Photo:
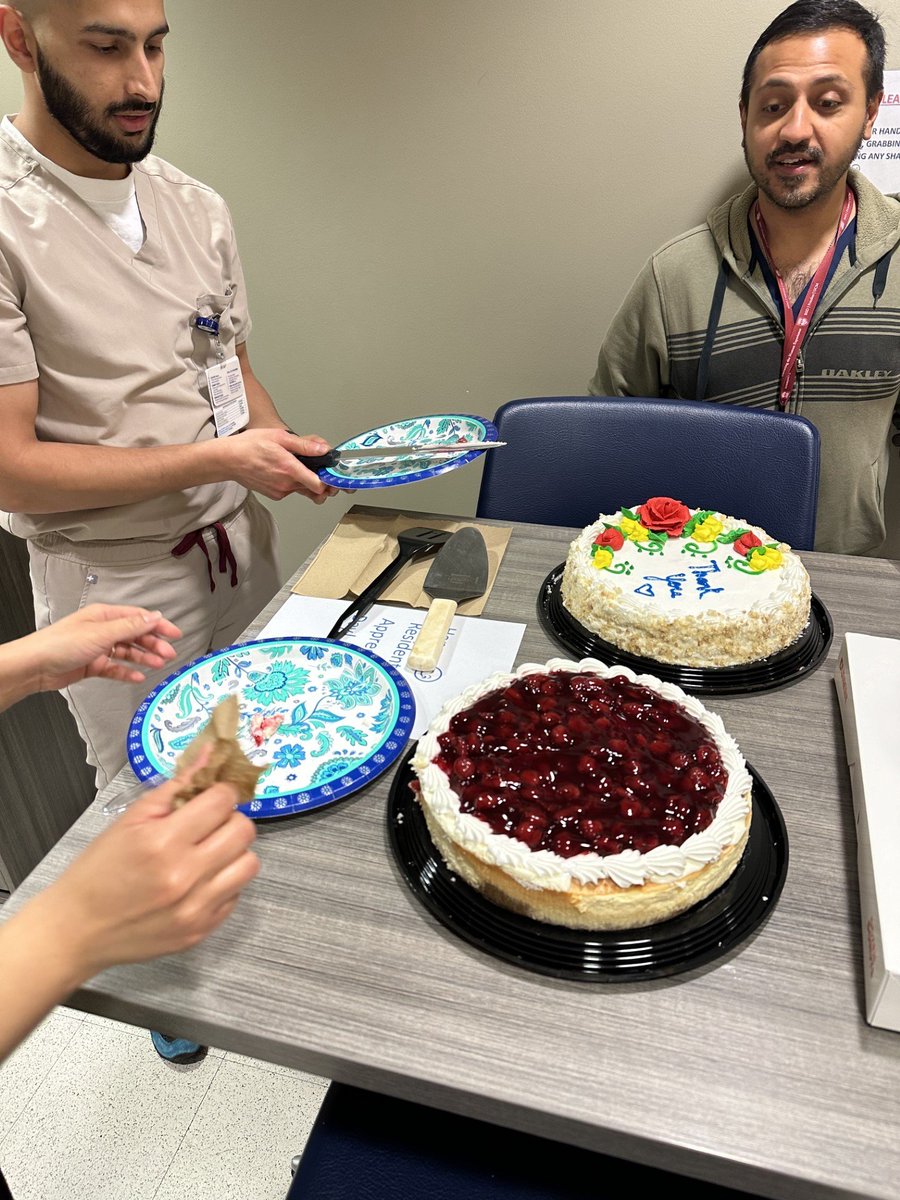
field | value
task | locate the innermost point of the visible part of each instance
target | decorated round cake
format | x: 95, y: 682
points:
x: 685, y: 586
x: 584, y: 795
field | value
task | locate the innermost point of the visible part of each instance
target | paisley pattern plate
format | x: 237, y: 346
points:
x: 326, y: 718
x: 438, y: 427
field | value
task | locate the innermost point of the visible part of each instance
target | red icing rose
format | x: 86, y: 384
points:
x: 746, y: 542
x: 613, y: 538
x: 664, y: 515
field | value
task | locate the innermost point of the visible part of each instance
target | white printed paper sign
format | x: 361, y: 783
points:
x: 475, y: 646
x: 879, y: 158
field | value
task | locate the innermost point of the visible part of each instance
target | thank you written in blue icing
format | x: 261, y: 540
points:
x: 679, y: 583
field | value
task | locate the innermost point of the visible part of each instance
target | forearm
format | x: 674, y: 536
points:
x: 263, y: 413
x: 17, y: 672
x: 63, y: 477
x: 39, y: 968
x: 48, y: 477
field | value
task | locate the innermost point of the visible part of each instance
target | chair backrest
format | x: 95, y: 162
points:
x: 570, y: 458
x: 373, y: 1147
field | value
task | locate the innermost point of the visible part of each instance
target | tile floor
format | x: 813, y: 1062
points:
x: 88, y: 1111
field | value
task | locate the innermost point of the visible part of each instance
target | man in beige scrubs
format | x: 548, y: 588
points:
x: 135, y: 432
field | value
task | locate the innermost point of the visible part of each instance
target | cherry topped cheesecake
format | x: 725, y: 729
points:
x: 584, y: 795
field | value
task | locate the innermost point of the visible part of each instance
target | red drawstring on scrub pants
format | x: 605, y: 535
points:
x: 226, y: 554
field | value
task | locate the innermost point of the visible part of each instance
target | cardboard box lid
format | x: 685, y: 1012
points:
x: 868, y: 684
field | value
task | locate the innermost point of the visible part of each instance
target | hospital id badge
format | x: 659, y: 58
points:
x: 227, y: 396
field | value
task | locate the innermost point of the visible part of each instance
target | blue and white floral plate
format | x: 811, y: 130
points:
x: 438, y: 427
x: 326, y: 718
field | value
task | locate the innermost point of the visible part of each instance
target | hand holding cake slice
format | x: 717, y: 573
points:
x: 227, y: 761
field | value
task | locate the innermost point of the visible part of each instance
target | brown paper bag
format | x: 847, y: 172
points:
x: 227, y: 761
x: 365, y: 541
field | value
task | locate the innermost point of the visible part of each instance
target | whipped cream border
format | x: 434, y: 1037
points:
x: 549, y: 871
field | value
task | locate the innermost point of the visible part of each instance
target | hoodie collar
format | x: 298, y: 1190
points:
x: 877, y: 224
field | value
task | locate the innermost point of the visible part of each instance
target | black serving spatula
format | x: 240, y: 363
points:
x: 460, y: 572
x: 414, y: 542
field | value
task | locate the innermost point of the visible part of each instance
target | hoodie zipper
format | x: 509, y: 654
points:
x: 798, y: 380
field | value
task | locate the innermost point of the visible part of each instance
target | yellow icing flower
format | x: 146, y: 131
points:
x: 765, y: 560
x: 634, y: 530
x: 602, y: 557
x: 708, y: 530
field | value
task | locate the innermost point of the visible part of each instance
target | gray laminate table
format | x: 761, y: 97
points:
x: 758, y: 1071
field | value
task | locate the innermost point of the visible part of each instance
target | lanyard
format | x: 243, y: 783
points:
x: 210, y: 323
x: 796, y: 329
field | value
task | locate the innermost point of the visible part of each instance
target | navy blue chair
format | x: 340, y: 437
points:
x: 373, y: 1147
x: 570, y: 458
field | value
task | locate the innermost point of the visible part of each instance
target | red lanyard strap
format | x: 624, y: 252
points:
x: 796, y: 329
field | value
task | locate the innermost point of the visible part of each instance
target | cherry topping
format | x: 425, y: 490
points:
x: 577, y: 763
x: 530, y: 830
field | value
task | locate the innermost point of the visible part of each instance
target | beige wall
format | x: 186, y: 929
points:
x: 440, y: 203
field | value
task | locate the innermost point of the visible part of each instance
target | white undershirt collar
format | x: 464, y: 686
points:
x: 113, y: 200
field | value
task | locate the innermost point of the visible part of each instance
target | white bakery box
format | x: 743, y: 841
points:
x: 868, y: 687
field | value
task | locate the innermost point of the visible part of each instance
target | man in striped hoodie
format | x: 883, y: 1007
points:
x: 785, y: 298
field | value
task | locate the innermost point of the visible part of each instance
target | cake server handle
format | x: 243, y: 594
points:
x: 369, y: 595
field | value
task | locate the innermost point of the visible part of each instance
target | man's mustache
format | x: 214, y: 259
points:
x: 135, y: 106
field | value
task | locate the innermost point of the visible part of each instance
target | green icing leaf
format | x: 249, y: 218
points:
x: 728, y: 539
x: 697, y: 519
x: 626, y: 512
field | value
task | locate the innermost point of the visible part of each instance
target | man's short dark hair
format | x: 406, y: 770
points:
x: 813, y: 16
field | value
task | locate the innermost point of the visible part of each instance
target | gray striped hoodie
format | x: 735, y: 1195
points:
x: 700, y: 323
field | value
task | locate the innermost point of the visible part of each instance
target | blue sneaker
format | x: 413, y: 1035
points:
x: 177, y: 1050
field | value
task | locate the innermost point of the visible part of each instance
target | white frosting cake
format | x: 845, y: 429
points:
x: 686, y: 586
x: 604, y: 763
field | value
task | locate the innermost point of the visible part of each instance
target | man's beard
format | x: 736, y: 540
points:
x: 70, y: 108
x: 788, y: 194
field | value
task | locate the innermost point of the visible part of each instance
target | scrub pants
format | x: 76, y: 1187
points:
x: 212, y: 597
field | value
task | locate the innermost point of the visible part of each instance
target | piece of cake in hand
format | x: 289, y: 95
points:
x: 685, y: 586
x: 227, y: 761
x: 584, y: 795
